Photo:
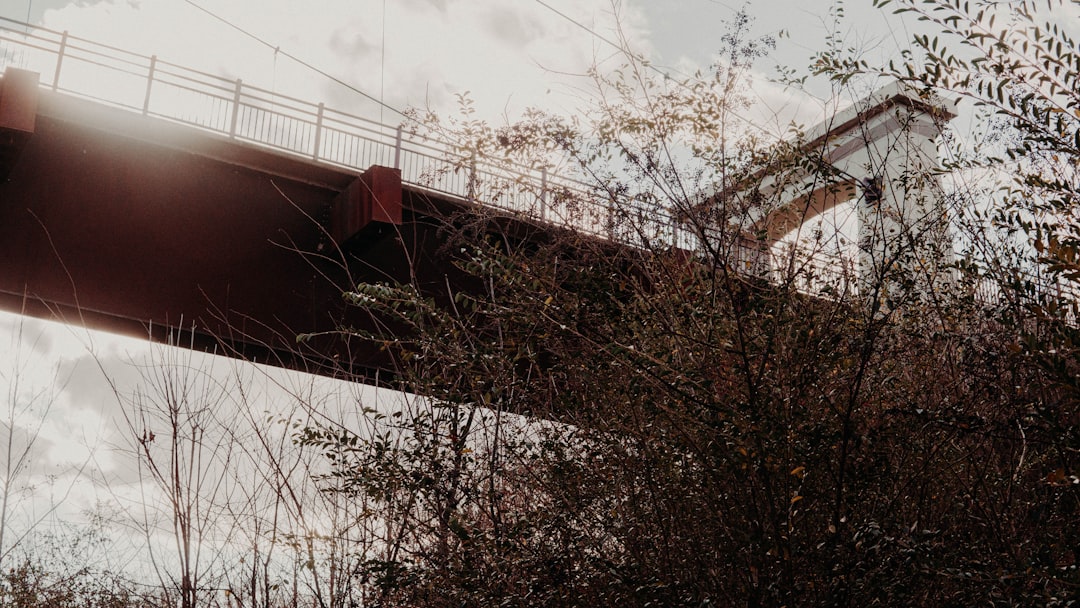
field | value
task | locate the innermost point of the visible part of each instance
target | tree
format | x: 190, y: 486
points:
x: 227, y: 506
x: 1017, y: 63
x: 700, y: 435
x: 46, y: 559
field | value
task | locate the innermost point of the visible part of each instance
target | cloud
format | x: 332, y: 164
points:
x: 509, y: 27
x: 350, y: 43
x: 25, y: 333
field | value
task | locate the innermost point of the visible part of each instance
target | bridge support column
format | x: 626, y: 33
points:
x: 889, y: 148
x: 881, y: 153
x: 904, y: 238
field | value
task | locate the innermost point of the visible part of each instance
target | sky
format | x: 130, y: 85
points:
x: 62, y: 382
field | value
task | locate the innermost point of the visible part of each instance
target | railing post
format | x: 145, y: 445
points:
x: 543, y: 194
x: 611, y: 218
x: 235, y: 109
x: 59, y: 60
x: 149, y: 84
x: 318, y: 131
x: 472, y: 177
x: 397, y: 149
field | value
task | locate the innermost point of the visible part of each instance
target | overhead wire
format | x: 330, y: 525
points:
x: 652, y: 67
x: 383, y: 105
x: 622, y: 49
x: 581, y: 25
x: 277, y: 49
x: 380, y: 101
x: 382, y: 63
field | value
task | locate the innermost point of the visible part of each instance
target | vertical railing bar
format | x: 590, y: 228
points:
x: 397, y: 148
x: 612, y: 216
x: 149, y: 85
x: 60, y: 60
x: 236, y: 109
x: 318, y: 131
x: 471, y: 186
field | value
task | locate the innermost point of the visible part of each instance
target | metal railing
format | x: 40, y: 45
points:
x: 1047, y: 294
x: 154, y: 87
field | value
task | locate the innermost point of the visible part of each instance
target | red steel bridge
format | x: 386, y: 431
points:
x: 143, y: 197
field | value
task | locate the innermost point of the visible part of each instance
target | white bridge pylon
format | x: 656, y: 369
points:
x: 879, y: 154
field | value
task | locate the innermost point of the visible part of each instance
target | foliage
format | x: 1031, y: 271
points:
x: 63, y: 568
x: 1018, y: 63
x: 712, y: 438
x: 31, y: 585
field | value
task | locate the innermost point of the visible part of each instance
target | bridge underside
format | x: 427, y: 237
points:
x: 144, y: 227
